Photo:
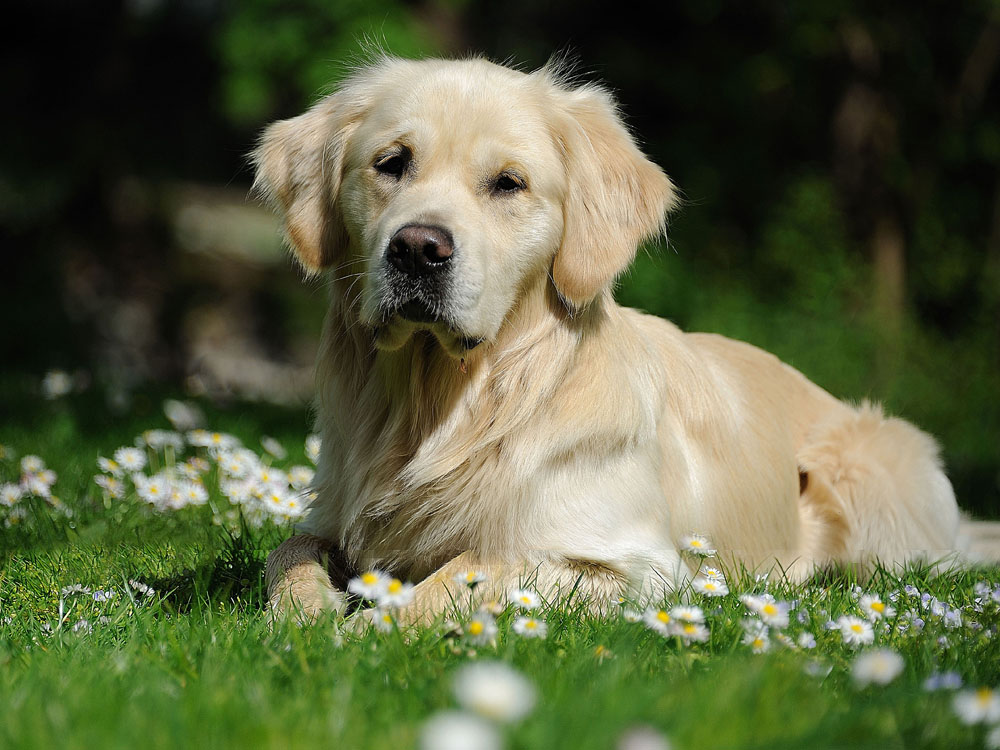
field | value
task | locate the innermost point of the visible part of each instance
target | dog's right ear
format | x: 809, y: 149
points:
x: 299, y: 166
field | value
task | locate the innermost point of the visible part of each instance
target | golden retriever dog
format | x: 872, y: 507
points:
x: 484, y: 404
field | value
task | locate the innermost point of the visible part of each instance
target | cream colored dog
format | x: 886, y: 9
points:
x: 484, y: 403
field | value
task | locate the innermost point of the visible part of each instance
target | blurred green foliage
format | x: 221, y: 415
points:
x: 839, y: 160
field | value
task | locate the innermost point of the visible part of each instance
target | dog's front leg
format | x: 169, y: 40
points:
x: 445, y: 588
x: 300, y: 577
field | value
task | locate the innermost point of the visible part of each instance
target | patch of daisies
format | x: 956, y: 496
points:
x: 862, y: 633
x: 31, y: 493
x: 169, y: 471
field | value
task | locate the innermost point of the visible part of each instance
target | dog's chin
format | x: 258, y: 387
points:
x: 398, y: 330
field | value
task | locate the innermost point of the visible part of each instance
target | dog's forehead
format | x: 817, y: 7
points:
x: 462, y: 102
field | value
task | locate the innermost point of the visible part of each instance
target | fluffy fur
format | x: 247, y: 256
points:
x: 580, y: 440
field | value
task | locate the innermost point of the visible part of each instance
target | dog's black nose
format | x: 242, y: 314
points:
x: 418, y: 250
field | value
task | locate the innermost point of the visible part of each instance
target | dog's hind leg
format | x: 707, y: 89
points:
x: 300, y: 577
x: 874, y: 489
x: 979, y: 541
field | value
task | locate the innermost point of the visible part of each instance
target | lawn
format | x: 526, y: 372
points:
x: 140, y: 620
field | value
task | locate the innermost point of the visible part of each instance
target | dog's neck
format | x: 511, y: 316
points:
x: 424, y: 391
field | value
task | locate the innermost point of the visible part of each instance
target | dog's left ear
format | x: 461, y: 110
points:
x: 615, y: 197
x: 298, y: 165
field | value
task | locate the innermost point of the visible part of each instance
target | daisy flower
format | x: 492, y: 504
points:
x: 774, y: 614
x: 155, y: 490
x: 658, y: 620
x: 980, y: 706
x: 710, y: 586
x: 712, y: 572
x: 530, y: 627
x: 878, y: 667
x: 130, y: 459
x: 300, y: 477
x: 268, y: 476
x: 183, y: 415
x: 874, y: 608
x: 237, y: 464
x: 313, y: 444
x: 396, y: 594
x: 56, y: 384
x: 524, y: 599
x: 469, y: 578
x: 10, y: 494
x: 457, y: 730
x: 855, y: 631
x: 691, y: 632
x: 161, y: 439
x: 756, y: 636
x: 381, y: 619
x: 370, y: 585
x: 494, y: 691
x: 687, y: 614
x: 109, y: 466
x: 697, y: 544
x: 194, y: 493
x: 631, y: 615
x: 32, y: 465
x: 141, y: 588
x: 112, y: 486
x: 481, y: 629
x: 273, y: 447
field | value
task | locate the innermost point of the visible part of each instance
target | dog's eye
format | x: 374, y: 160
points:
x: 508, y: 182
x: 393, y: 164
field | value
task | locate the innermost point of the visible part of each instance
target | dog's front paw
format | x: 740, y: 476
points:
x: 298, y: 580
x: 306, y: 594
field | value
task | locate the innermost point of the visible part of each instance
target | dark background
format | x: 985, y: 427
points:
x: 839, y: 161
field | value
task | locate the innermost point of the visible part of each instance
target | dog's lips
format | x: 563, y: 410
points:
x: 416, y: 311
x: 417, y: 315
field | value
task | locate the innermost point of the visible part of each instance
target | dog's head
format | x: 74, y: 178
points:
x: 440, y: 190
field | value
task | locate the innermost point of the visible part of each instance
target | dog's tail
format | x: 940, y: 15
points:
x: 979, y: 541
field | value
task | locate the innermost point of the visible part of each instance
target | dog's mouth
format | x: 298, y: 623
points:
x: 418, y: 311
x: 416, y: 314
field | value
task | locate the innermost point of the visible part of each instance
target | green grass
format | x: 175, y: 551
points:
x: 200, y: 663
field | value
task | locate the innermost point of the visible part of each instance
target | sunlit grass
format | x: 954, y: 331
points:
x: 89, y: 659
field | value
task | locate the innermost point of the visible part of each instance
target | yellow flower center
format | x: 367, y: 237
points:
x: 662, y: 616
x: 695, y: 542
x: 395, y: 585
x: 525, y: 600
x: 857, y: 628
x: 531, y: 624
x: 475, y: 627
x: 983, y: 695
x: 878, y: 606
x: 769, y: 609
x: 689, y: 628
x: 758, y: 642
x: 387, y: 618
x: 369, y: 579
x: 709, y: 586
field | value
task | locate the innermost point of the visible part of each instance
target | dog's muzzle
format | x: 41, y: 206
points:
x: 418, y: 273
